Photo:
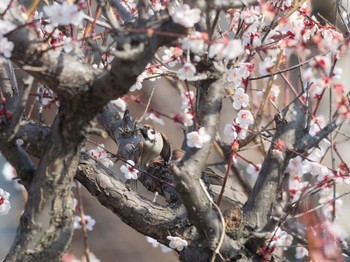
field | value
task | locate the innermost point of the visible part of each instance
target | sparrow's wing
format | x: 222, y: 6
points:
x: 166, y: 151
x: 138, y: 154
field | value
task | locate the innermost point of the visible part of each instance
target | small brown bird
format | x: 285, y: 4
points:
x: 327, y: 11
x: 155, y: 145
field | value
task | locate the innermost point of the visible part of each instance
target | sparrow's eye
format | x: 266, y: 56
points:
x: 153, y: 132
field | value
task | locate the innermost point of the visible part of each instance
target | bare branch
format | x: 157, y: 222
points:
x: 188, y: 174
x: 311, y: 141
x: 144, y: 216
x: 289, y: 131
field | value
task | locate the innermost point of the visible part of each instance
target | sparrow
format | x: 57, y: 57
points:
x: 155, y: 145
x: 327, y: 11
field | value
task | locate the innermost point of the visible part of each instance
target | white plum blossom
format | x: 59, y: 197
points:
x: 120, y: 104
x: 5, y: 205
x: 297, y: 166
x: 152, y: 72
x: 6, y: 26
x: 318, y: 152
x: 244, y: 118
x: 177, y: 243
x: 185, y: 16
x: 301, y: 252
x: 155, y: 6
x: 197, y: 139
x: 296, y: 187
x: 129, y: 171
x: 172, y: 56
x: 187, y: 71
x: 64, y: 14
x: 195, y: 43
x: 250, y: 15
x: 321, y: 171
x: 6, y: 47
x: 185, y: 117
x: 281, y: 238
x: 252, y: 37
x: 266, y: 65
x: 336, y: 230
x: 316, y: 124
x: 155, y: 244
x: 328, y: 205
x: 69, y: 45
x: 237, y: 74
x: 274, y: 92
x: 152, y: 241
x: 226, y: 49
x: 164, y: 248
x: 230, y: 131
x: 88, y: 220
x: 253, y: 171
x: 52, y: 30
x: 240, y: 99
x: 155, y: 118
x: 138, y: 83
x: 4, y: 4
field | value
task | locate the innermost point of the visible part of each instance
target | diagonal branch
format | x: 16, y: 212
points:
x: 188, y: 174
x: 141, y: 214
x: 289, y: 132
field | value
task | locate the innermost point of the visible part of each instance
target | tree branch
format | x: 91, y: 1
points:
x: 187, y: 176
x: 141, y: 214
x: 289, y: 131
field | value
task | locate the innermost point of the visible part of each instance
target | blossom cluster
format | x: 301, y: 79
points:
x: 101, y: 155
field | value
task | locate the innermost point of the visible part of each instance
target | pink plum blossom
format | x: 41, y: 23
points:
x: 101, y: 155
x: 197, y: 139
x: 5, y: 205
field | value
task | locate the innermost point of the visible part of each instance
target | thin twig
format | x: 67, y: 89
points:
x: 83, y: 223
